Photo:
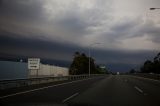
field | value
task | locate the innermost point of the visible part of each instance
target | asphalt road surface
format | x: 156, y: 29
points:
x: 111, y: 90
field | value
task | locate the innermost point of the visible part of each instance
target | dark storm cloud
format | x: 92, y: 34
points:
x: 123, y: 60
x: 120, y: 60
x: 31, y: 17
x: 121, y: 56
x: 55, y: 29
x: 72, y: 23
x: 21, y: 9
x: 36, y: 48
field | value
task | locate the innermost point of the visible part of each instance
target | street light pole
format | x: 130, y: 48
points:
x: 89, y: 73
x: 89, y: 62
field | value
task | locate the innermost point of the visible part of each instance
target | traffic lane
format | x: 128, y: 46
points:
x: 54, y: 94
x: 29, y: 87
x: 113, y: 91
x: 150, y: 88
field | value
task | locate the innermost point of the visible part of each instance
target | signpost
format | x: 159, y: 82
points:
x: 33, y: 66
x: 33, y: 63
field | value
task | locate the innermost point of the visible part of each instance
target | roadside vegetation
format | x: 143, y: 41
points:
x: 150, y: 66
x: 80, y: 65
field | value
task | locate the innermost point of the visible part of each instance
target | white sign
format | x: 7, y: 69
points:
x: 33, y: 63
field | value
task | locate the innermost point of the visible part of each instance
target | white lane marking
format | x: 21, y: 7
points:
x: 138, y: 89
x: 146, y: 78
x: 70, y: 97
x: 41, y: 88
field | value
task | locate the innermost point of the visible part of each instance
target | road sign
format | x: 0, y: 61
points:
x: 33, y: 63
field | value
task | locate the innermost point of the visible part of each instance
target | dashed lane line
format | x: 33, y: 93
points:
x: 70, y: 97
x: 138, y: 89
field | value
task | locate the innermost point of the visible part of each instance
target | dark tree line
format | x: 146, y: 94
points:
x: 152, y: 66
x: 80, y: 65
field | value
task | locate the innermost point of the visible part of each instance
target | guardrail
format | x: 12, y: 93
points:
x: 5, y: 84
x: 148, y: 75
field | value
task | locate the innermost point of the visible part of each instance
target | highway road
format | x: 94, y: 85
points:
x: 111, y: 90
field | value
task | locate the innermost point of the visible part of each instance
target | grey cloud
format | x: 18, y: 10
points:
x: 73, y: 21
x: 60, y: 52
x: 134, y: 28
x: 27, y: 15
x: 121, y: 56
x: 123, y: 28
x: 36, y: 48
x: 124, y: 25
x: 74, y: 25
x: 22, y: 10
x: 152, y: 30
x: 27, y: 28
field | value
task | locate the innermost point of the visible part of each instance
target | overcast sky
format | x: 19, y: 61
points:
x: 55, y: 29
